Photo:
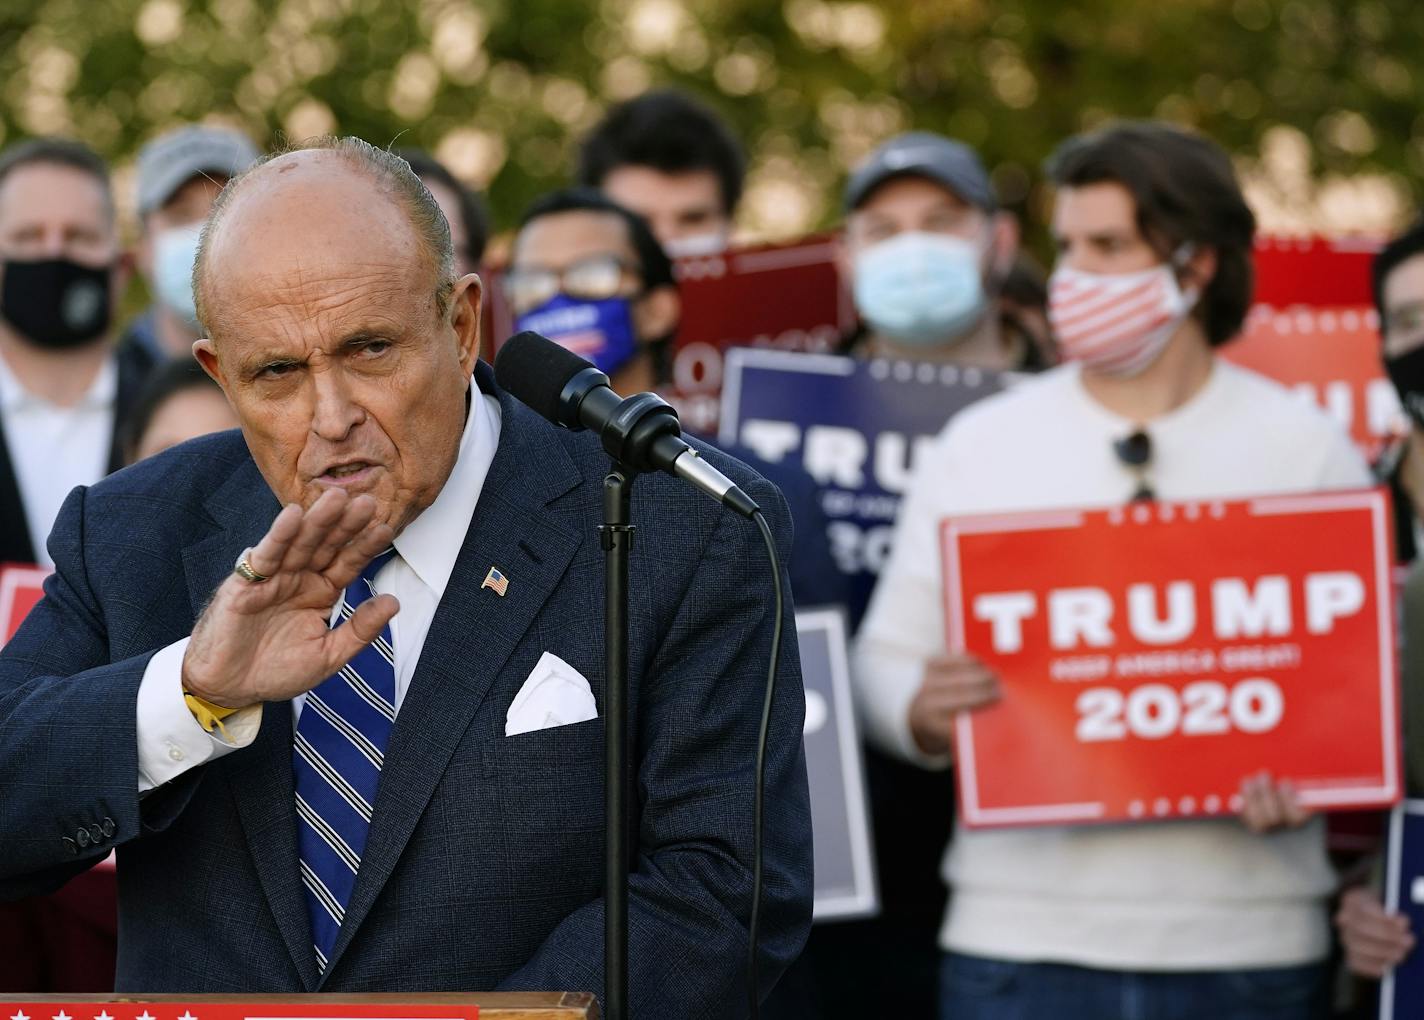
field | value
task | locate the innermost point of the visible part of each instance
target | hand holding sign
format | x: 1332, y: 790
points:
x: 1375, y: 940
x: 959, y: 682
x: 953, y: 683
x: 1267, y: 805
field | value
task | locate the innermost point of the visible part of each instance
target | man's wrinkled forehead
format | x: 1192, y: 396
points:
x: 308, y: 219
x: 316, y: 197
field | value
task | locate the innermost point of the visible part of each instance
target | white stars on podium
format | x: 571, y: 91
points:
x: 103, y: 1014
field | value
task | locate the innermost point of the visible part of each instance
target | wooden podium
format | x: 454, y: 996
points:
x: 328, y: 1006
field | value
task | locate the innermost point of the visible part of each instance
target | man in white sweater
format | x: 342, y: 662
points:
x: 1217, y: 918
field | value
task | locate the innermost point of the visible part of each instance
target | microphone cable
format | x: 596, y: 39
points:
x: 754, y: 921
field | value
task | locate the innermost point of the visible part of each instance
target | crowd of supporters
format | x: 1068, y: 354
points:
x: 1238, y: 917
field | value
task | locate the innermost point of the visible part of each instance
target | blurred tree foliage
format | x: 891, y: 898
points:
x: 501, y: 89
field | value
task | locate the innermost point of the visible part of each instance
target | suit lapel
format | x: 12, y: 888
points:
x: 243, y: 508
x: 261, y: 776
x: 472, y: 635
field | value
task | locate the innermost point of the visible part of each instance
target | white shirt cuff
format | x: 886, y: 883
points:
x: 170, y: 740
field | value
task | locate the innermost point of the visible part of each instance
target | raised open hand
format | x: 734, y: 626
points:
x: 269, y: 640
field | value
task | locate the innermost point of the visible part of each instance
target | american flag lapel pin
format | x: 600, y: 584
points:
x: 496, y: 582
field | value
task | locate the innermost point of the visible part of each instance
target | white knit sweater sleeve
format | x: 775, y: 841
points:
x: 904, y: 625
x: 1342, y: 465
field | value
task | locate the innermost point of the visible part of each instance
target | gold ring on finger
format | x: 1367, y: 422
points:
x: 243, y: 569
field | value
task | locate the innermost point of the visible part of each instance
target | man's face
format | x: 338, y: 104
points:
x: 327, y: 338
x: 50, y: 211
x: 677, y: 206
x: 585, y: 253
x: 449, y: 204
x: 1095, y: 230
x: 904, y: 204
x: 1403, y: 295
x: 190, y: 204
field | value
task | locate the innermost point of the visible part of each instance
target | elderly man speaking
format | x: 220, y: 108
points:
x: 369, y: 757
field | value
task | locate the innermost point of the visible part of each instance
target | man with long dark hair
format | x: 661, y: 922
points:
x: 1196, y: 918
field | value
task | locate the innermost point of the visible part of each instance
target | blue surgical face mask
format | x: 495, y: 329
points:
x: 921, y: 289
x: 174, y: 252
x: 598, y: 331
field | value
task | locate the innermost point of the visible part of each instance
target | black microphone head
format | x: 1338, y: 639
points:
x: 536, y: 371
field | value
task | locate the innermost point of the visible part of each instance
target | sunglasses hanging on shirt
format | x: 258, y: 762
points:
x: 1134, y: 452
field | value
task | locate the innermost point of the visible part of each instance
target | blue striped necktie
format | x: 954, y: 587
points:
x: 340, y: 746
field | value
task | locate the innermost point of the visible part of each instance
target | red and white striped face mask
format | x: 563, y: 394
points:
x: 1116, y: 324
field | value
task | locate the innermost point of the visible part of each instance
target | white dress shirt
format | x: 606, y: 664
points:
x: 170, y: 740
x: 54, y: 448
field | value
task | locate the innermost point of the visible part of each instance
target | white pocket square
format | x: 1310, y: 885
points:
x: 555, y: 694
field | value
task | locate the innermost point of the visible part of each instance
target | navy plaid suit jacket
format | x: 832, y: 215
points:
x: 483, y: 868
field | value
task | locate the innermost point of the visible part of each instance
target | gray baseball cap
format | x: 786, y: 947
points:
x: 174, y: 158
x: 921, y: 154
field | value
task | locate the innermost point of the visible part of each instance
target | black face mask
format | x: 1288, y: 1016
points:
x: 1407, y: 374
x: 54, y: 303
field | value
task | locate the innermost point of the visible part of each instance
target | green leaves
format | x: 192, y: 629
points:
x: 502, y: 90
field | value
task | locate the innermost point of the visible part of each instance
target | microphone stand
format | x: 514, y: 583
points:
x: 616, y: 536
x: 629, y: 435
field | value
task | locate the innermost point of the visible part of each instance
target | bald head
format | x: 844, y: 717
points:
x: 333, y: 182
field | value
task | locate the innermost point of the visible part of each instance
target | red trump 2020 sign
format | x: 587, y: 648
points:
x: 1152, y: 656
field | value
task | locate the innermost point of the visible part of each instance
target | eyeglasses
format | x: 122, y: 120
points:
x: 595, y: 278
x: 1134, y: 452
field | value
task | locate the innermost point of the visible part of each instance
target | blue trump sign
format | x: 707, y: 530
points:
x: 855, y: 426
x: 1402, y: 990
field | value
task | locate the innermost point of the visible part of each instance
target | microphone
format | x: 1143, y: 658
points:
x: 641, y: 431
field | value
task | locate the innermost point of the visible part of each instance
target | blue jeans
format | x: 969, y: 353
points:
x: 974, y: 988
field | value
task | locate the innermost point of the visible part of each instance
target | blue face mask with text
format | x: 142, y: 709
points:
x: 598, y: 331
